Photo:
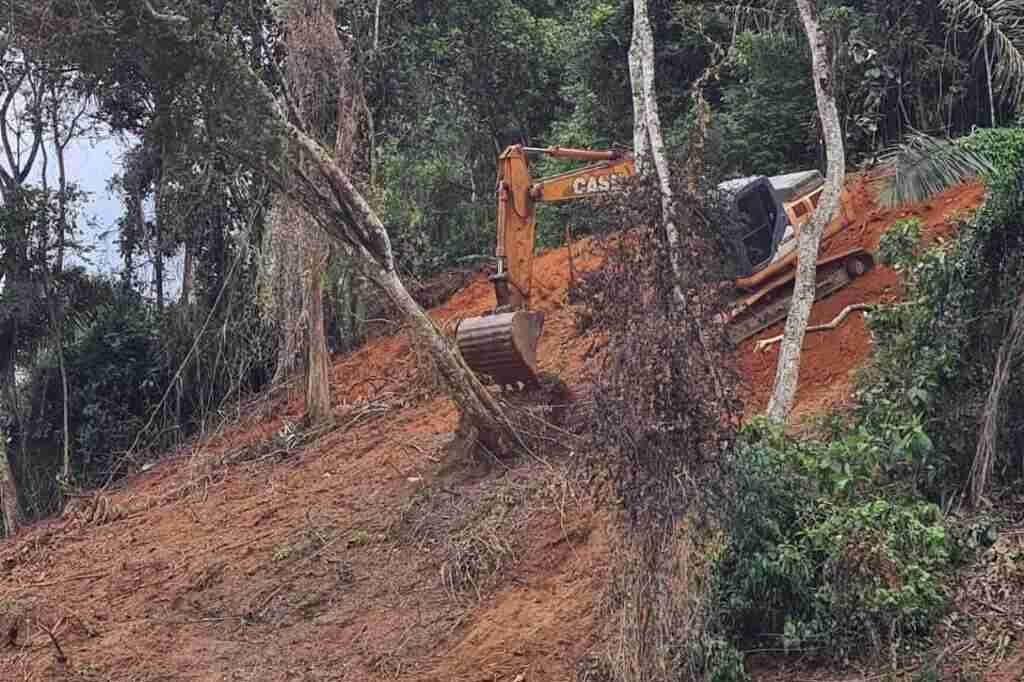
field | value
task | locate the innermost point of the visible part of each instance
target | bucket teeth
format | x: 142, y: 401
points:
x: 503, y: 346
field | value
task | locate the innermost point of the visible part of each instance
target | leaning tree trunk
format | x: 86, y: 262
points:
x: 359, y: 231
x: 1011, y: 347
x: 475, y: 402
x: 348, y: 218
x: 787, y: 374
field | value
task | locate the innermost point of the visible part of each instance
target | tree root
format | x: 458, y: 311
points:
x: 765, y: 343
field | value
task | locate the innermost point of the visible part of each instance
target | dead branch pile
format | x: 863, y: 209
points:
x: 663, y: 422
x: 475, y: 530
x: 984, y: 627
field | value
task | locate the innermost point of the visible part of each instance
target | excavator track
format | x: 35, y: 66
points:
x: 770, y: 304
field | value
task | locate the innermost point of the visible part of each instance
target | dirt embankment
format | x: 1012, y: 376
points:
x: 829, y: 357
x: 364, y: 554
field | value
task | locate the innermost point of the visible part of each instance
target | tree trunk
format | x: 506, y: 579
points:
x: 186, y: 276
x: 318, y: 391
x: 8, y: 483
x: 158, y: 241
x: 643, y: 43
x: 55, y: 303
x: 641, y: 144
x: 988, y: 79
x: 8, y: 489
x: 474, y: 401
x: 787, y: 373
x: 988, y: 439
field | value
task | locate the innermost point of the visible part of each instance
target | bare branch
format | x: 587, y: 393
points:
x: 175, y: 20
x: 761, y: 345
x: 4, y: 136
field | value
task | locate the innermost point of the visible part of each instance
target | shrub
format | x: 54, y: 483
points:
x: 115, y: 376
x: 936, y: 349
x: 819, y: 555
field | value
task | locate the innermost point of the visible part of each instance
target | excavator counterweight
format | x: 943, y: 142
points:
x: 502, y: 344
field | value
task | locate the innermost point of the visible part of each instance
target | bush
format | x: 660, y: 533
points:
x: 819, y: 555
x: 115, y: 378
x: 935, y: 351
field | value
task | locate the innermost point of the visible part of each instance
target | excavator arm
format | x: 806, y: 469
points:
x: 503, y: 344
x: 518, y: 195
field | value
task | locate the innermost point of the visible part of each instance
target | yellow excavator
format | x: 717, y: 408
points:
x: 502, y: 344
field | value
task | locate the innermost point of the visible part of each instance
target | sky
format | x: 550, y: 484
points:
x: 91, y: 163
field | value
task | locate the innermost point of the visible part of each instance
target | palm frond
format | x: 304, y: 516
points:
x: 923, y: 166
x: 1002, y: 22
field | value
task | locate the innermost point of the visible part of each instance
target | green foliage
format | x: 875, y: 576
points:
x: 898, y: 246
x: 768, y: 111
x: 1002, y: 147
x: 114, y: 373
x: 433, y: 211
x: 924, y: 166
x: 722, y: 661
x: 819, y: 556
x: 920, y: 365
x: 936, y: 349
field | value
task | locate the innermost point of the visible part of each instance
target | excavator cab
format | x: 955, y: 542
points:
x: 759, y: 223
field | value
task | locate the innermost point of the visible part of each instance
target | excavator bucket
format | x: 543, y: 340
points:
x: 502, y: 346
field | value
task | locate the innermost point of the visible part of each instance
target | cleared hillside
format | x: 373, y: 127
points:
x: 368, y: 552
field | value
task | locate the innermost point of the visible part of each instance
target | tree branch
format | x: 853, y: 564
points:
x: 175, y: 20
x: 4, y: 137
x: 838, y: 320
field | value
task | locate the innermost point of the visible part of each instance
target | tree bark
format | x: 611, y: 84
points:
x: 641, y: 144
x: 313, y: 40
x: 55, y: 304
x: 988, y: 438
x: 8, y: 489
x: 988, y: 80
x: 475, y: 402
x: 158, y: 238
x: 186, y: 276
x: 643, y: 43
x: 318, y: 385
x: 787, y: 374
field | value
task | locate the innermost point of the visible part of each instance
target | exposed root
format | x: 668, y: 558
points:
x: 761, y: 345
x: 92, y: 510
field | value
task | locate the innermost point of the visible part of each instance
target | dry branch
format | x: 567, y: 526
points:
x: 981, y: 469
x: 838, y: 320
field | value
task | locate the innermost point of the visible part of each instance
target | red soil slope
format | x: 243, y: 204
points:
x: 237, y: 560
x: 829, y: 357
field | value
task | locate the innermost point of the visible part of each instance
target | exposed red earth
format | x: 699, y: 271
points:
x: 232, y: 560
